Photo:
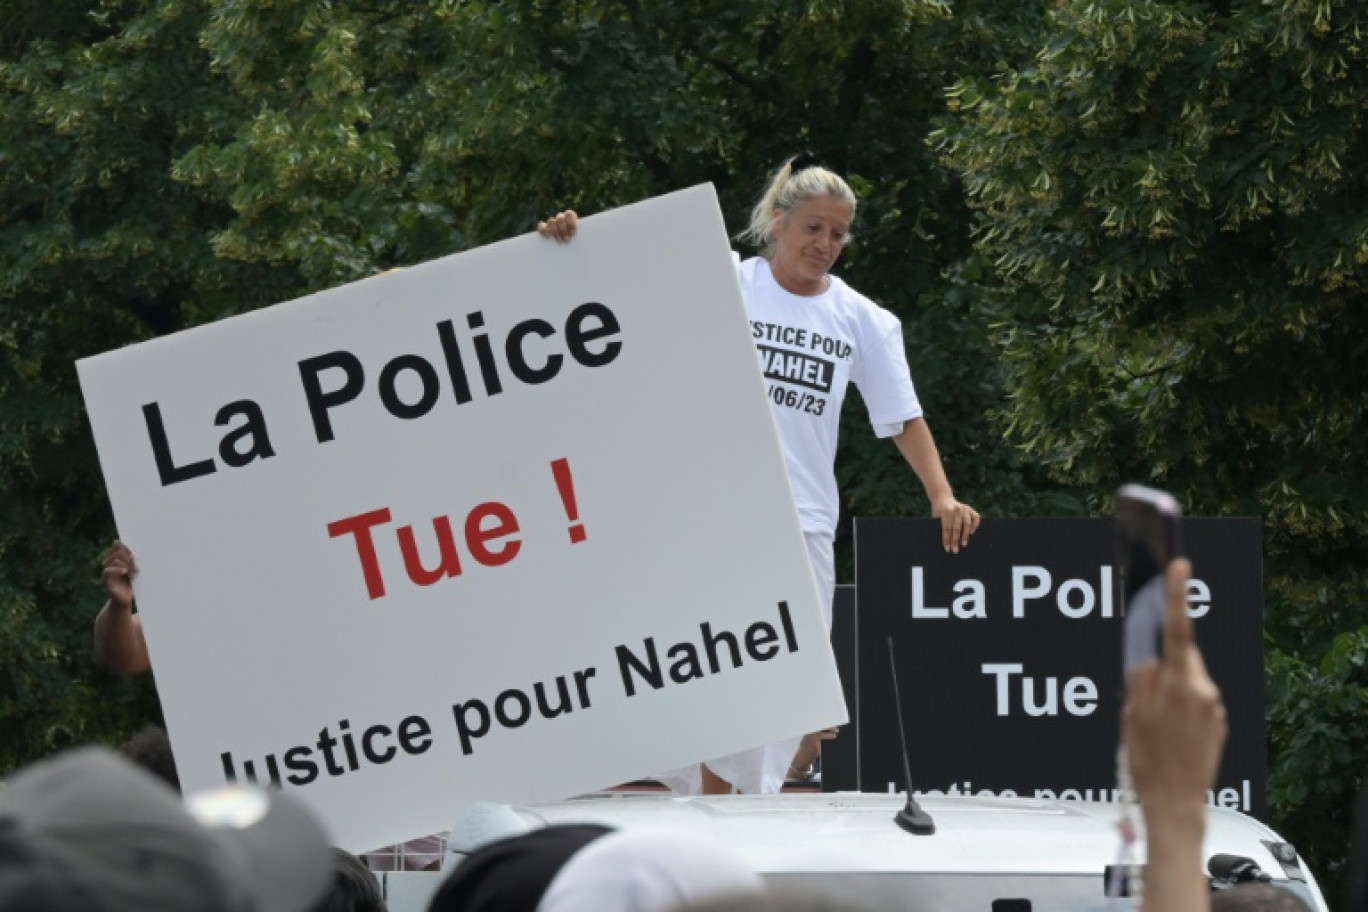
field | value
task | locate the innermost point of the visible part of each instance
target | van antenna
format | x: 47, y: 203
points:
x: 911, y: 818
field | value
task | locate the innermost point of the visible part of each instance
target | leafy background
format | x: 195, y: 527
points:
x: 1127, y: 239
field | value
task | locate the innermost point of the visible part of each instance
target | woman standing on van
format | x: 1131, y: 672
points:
x: 815, y: 335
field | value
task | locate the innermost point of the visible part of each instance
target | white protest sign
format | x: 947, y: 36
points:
x: 510, y: 525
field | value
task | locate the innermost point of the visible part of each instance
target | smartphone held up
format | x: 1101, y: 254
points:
x: 1149, y: 527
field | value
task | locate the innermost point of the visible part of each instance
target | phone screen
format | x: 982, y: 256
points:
x: 1148, y: 523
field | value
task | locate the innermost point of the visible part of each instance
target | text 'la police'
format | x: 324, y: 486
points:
x: 532, y: 352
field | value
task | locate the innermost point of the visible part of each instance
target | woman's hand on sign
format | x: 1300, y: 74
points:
x: 560, y: 227
x: 117, y: 575
x: 959, y: 521
x: 119, y: 642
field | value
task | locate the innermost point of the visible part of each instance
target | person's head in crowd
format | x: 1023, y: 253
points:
x: 1257, y: 897
x: 88, y: 830
x: 512, y: 874
x: 354, y: 887
x: 647, y: 871
x: 150, y: 748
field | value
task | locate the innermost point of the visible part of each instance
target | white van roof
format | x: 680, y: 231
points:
x: 817, y: 831
x: 1054, y: 853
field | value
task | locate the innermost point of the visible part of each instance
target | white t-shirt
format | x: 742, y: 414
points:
x: 810, y: 348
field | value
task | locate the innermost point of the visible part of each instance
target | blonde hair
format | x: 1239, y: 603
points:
x: 788, y: 189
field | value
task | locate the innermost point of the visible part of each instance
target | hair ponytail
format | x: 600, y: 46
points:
x: 796, y: 181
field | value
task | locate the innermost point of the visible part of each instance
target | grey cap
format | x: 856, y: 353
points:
x: 88, y: 829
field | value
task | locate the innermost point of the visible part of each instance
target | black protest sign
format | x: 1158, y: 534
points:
x: 1009, y: 656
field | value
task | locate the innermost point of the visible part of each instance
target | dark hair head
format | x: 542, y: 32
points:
x: 512, y: 874
x: 354, y: 887
x: 1257, y: 897
x: 150, y: 748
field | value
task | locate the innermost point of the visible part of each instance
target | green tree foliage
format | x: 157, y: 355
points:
x: 99, y: 246
x: 333, y: 173
x: 1164, y: 272
x: 1173, y: 195
x: 396, y: 133
x: 168, y: 162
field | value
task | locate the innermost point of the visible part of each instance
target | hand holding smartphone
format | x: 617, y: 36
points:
x: 1149, y: 533
x: 1147, y: 537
